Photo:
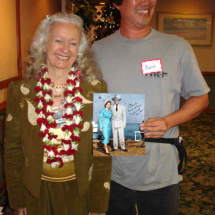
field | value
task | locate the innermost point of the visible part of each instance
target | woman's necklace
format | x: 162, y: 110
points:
x: 58, y: 87
x: 73, y: 116
x: 58, y: 97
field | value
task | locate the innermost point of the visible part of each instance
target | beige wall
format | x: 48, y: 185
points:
x: 8, y: 65
x: 205, y: 55
x: 31, y: 13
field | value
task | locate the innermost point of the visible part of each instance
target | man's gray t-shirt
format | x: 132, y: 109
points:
x: 120, y: 60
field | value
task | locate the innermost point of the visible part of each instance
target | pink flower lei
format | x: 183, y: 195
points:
x: 73, y: 116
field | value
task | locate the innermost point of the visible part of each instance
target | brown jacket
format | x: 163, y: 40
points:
x: 24, y: 148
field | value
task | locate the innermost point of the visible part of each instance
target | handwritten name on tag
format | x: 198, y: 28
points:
x: 151, y: 66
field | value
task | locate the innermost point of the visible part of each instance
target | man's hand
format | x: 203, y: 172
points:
x: 22, y: 211
x: 154, y: 127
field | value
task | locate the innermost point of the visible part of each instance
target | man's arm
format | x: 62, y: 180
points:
x: 124, y: 116
x: 156, y: 127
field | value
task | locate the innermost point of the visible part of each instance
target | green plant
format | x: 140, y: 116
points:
x: 109, y: 22
x: 85, y: 10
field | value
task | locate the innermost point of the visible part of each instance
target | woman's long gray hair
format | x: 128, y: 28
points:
x: 84, y: 61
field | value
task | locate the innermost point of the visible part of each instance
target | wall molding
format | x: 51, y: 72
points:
x: 2, y: 105
x: 211, y: 110
x: 208, y: 73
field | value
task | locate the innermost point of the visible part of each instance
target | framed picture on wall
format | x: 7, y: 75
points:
x: 195, y: 28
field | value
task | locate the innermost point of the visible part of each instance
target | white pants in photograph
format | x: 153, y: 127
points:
x: 118, y: 131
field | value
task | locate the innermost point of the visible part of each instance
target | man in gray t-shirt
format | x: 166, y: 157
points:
x: 138, y: 59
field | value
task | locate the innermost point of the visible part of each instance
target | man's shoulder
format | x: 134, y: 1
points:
x: 105, y: 41
x: 122, y: 106
x: 170, y: 38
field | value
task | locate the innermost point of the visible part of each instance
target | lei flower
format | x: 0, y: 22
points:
x: 73, y: 116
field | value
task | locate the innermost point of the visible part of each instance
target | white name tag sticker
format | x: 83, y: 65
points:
x: 151, y: 66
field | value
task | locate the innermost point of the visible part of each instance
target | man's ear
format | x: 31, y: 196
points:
x: 116, y: 6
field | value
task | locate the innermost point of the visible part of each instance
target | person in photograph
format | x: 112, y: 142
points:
x: 105, y: 124
x: 118, y: 122
x: 137, y: 59
x: 49, y: 168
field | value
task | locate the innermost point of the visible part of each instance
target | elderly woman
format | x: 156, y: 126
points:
x: 48, y: 141
x: 105, y: 124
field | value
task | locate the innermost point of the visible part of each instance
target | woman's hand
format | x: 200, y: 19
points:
x: 22, y: 211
